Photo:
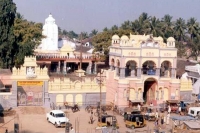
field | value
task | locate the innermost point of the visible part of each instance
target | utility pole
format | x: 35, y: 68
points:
x: 100, y: 94
x: 81, y: 48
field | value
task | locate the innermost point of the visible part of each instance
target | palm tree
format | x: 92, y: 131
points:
x: 126, y: 25
x: 93, y: 32
x: 140, y: 26
x: 180, y: 29
x: 167, y: 26
x: 155, y: 27
x: 193, y: 27
x: 194, y: 45
x: 113, y: 28
x: 105, y: 29
x: 83, y: 35
x: 19, y: 16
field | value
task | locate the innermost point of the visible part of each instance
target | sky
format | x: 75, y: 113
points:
x: 86, y: 15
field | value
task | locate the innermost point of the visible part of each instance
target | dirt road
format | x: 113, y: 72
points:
x: 33, y: 120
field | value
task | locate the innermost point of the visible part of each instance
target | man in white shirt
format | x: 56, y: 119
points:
x: 168, y: 116
x: 139, y: 107
x: 151, y: 107
x: 169, y: 109
x: 179, y: 110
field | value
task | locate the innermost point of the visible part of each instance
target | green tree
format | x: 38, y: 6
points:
x: 180, y: 29
x: 194, y: 46
x: 83, y: 35
x: 72, y: 34
x: 180, y: 49
x: 167, y: 26
x: 141, y: 25
x: 105, y: 29
x: 28, y: 36
x: 114, y: 27
x: 193, y: 27
x: 93, y: 32
x: 155, y: 27
x: 59, y: 31
x: 64, y: 32
x: 127, y: 25
x: 102, y: 41
x: 7, y: 38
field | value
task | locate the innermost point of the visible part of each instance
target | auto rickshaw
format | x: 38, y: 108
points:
x: 150, y: 115
x: 135, y: 121
x: 173, y: 104
x: 107, y: 121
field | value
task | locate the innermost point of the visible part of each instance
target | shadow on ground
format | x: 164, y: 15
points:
x: 25, y: 131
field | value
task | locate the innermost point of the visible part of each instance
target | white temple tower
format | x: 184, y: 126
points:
x: 50, y: 30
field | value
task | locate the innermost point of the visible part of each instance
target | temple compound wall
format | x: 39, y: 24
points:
x: 142, y: 70
x: 32, y: 86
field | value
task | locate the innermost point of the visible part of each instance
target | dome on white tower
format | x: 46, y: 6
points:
x: 50, y: 31
x: 50, y: 19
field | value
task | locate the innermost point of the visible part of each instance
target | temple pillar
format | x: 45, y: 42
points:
x: 173, y: 73
x: 117, y: 71
x: 111, y: 67
x: 157, y: 71
x: 95, y: 67
x: 122, y: 72
x: 138, y: 72
x: 58, y: 67
x: 64, y: 67
x: 89, y: 68
x: 141, y: 96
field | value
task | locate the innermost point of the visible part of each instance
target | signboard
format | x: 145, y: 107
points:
x: 30, y: 83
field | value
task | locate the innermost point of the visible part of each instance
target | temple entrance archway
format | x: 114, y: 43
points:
x: 150, y: 86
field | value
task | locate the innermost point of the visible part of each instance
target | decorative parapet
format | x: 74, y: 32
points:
x: 86, y: 85
x: 30, y: 71
x: 185, y: 85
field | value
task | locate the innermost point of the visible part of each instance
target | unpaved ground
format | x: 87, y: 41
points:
x: 33, y: 120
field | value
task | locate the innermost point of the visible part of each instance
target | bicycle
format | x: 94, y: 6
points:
x: 117, y: 111
x: 88, y: 108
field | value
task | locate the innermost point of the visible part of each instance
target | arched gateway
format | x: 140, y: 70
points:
x: 29, y: 84
x: 150, y: 87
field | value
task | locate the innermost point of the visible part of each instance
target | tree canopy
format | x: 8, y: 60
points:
x: 28, y: 36
x: 186, y: 33
x: 19, y: 37
x: 7, y: 38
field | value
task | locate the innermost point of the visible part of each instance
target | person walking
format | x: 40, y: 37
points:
x: 179, y: 110
x: 162, y: 120
x: 151, y: 107
x: 168, y: 116
x: 91, y: 118
x: 169, y: 109
x: 156, y: 114
x: 139, y: 107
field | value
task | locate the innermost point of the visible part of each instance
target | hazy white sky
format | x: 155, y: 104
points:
x: 86, y: 15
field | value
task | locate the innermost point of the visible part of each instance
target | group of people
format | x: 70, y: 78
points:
x: 163, y: 118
